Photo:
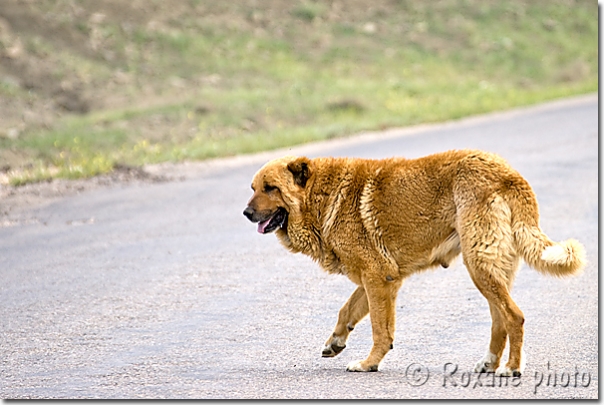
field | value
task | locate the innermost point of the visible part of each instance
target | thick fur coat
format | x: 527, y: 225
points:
x: 379, y: 221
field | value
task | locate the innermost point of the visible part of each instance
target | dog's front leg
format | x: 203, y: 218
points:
x: 381, y: 297
x: 355, y: 309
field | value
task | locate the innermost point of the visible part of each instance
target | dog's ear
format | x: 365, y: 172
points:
x: 300, y: 169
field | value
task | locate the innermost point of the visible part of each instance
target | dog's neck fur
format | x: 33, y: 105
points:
x: 307, y: 227
x: 303, y: 230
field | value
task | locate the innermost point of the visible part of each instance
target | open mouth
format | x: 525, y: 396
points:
x: 276, y: 220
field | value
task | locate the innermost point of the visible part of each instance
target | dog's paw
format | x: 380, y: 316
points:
x: 487, y: 364
x: 505, y: 371
x: 332, y: 350
x: 334, y: 345
x: 360, y: 366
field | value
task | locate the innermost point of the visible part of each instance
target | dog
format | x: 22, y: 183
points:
x: 379, y: 221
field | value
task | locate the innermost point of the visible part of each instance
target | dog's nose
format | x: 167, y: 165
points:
x: 248, y: 212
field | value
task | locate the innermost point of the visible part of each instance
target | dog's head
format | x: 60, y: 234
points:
x: 278, y: 192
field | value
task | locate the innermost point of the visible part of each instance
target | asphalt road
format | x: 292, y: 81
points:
x: 167, y: 291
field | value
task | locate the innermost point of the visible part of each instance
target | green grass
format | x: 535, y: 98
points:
x: 303, y: 71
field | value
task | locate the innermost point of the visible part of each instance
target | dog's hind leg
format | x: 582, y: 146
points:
x: 490, y: 256
x: 512, y: 319
x: 499, y: 335
x: 355, y: 309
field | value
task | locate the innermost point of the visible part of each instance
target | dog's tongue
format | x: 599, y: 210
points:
x: 262, y: 225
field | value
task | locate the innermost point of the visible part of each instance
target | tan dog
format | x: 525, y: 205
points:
x: 379, y: 221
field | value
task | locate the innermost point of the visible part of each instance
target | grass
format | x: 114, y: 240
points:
x: 236, y: 79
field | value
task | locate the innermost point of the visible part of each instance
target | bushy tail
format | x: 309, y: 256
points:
x: 548, y: 257
x: 538, y: 251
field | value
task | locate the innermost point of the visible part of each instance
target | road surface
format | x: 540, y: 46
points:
x: 165, y: 290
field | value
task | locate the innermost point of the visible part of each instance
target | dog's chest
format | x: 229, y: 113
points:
x: 331, y: 263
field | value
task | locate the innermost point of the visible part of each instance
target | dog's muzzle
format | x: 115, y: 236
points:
x: 249, y: 213
x: 267, y: 222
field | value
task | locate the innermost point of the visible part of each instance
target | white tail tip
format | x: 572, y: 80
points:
x: 555, y: 254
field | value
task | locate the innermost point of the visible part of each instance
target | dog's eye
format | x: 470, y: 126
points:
x: 268, y: 188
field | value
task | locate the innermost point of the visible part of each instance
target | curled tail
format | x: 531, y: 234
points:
x: 536, y: 248
x: 548, y: 257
